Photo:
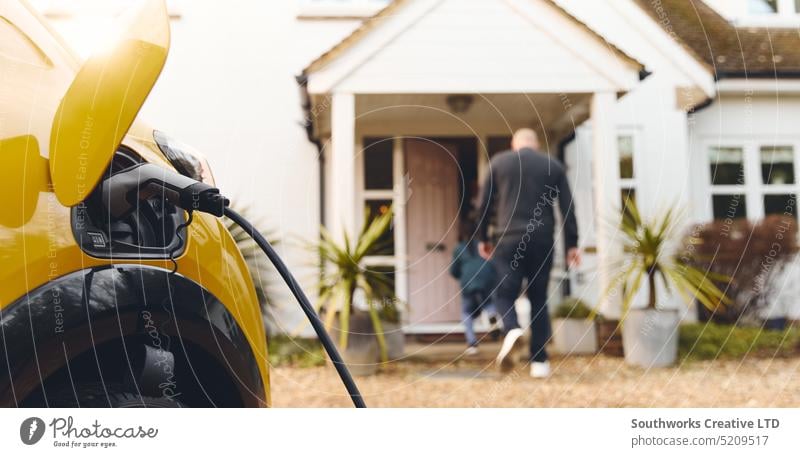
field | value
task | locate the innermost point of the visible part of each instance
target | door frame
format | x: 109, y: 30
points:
x: 399, y: 197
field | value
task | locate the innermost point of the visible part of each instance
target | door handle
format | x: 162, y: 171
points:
x: 431, y: 247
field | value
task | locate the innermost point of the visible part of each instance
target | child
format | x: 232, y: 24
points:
x: 477, y: 278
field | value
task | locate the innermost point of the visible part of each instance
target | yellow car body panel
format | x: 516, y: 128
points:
x: 37, y: 244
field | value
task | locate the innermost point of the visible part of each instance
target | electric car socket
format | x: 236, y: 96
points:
x: 123, y: 190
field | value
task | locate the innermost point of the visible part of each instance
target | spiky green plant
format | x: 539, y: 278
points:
x: 344, y: 271
x: 644, y: 246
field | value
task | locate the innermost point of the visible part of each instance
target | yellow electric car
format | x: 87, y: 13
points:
x: 101, y: 308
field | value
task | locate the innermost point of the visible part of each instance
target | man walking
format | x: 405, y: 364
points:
x: 519, y: 193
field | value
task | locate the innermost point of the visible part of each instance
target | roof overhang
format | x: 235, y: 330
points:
x: 578, y: 59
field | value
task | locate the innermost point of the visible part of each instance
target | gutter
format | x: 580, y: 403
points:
x: 308, y: 125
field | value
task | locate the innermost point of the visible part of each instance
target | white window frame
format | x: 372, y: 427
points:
x: 631, y: 183
x: 785, y: 8
x: 753, y: 188
x: 397, y: 195
x: 786, y: 16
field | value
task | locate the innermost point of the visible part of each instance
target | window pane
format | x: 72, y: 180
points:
x: 376, y: 208
x: 378, y: 163
x: 777, y: 164
x: 727, y: 165
x: 762, y: 6
x: 729, y: 206
x: 625, y: 147
x: 627, y: 196
x: 783, y: 204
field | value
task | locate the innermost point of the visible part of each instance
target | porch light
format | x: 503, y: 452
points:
x: 459, y: 104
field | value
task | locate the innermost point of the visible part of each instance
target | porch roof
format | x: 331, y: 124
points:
x: 507, y: 46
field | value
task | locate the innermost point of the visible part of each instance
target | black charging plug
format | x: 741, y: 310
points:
x: 123, y: 190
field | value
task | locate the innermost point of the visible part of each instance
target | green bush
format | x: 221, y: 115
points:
x: 710, y: 341
x: 572, y: 308
x: 300, y: 352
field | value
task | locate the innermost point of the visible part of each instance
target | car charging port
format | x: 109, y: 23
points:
x: 147, y: 233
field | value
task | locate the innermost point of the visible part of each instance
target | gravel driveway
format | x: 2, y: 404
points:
x: 598, y: 381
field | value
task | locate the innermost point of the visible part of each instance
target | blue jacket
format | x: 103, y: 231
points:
x: 473, y: 272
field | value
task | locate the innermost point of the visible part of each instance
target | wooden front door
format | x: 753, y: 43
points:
x: 432, y: 230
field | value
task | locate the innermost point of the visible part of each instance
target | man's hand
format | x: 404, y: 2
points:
x: 574, y: 257
x: 485, y: 249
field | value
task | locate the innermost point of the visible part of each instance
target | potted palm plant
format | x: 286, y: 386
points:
x: 650, y: 332
x: 573, y: 328
x: 345, y: 278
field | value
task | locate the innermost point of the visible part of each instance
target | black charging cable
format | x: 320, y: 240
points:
x: 123, y: 190
x: 312, y: 315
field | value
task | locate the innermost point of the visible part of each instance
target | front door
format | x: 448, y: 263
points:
x: 432, y: 230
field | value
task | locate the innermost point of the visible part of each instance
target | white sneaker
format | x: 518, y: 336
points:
x: 540, y: 370
x: 505, y: 359
x: 471, y: 351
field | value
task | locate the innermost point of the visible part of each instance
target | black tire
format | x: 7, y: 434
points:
x: 113, y: 396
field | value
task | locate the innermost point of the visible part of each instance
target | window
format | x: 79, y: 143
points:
x: 773, y: 8
x: 377, y: 188
x: 762, y: 6
x: 375, y: 208
x: 777, y: 164
x: 727, y: 165
x: 752, y: 180
x: 626, y: 148
x: 729, y: 206
x: 727, y: 177
x: 378, y: 173
x: 781, y: 204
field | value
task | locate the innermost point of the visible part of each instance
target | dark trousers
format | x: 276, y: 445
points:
x: 514, y: 260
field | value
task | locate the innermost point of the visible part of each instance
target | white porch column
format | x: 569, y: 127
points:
x: 343, y: 177
x: 606, y: 196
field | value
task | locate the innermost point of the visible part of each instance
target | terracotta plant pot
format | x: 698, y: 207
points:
x: 609, y: 337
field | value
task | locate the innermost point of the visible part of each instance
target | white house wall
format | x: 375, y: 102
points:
x: 652, y: 112
x: 228, y: 89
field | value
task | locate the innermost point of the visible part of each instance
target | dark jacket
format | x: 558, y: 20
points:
x: 519, y: 193
x: 473, y: 272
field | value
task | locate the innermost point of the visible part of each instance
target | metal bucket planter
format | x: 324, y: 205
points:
x: 395, y: 340
x: 362, y: 355
x: 650, y: 337
x: 574, y: 336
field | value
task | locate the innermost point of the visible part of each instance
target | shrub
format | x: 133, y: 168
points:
x: 572, y: 308
x: 747, y: 255
x: 709, y: 341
